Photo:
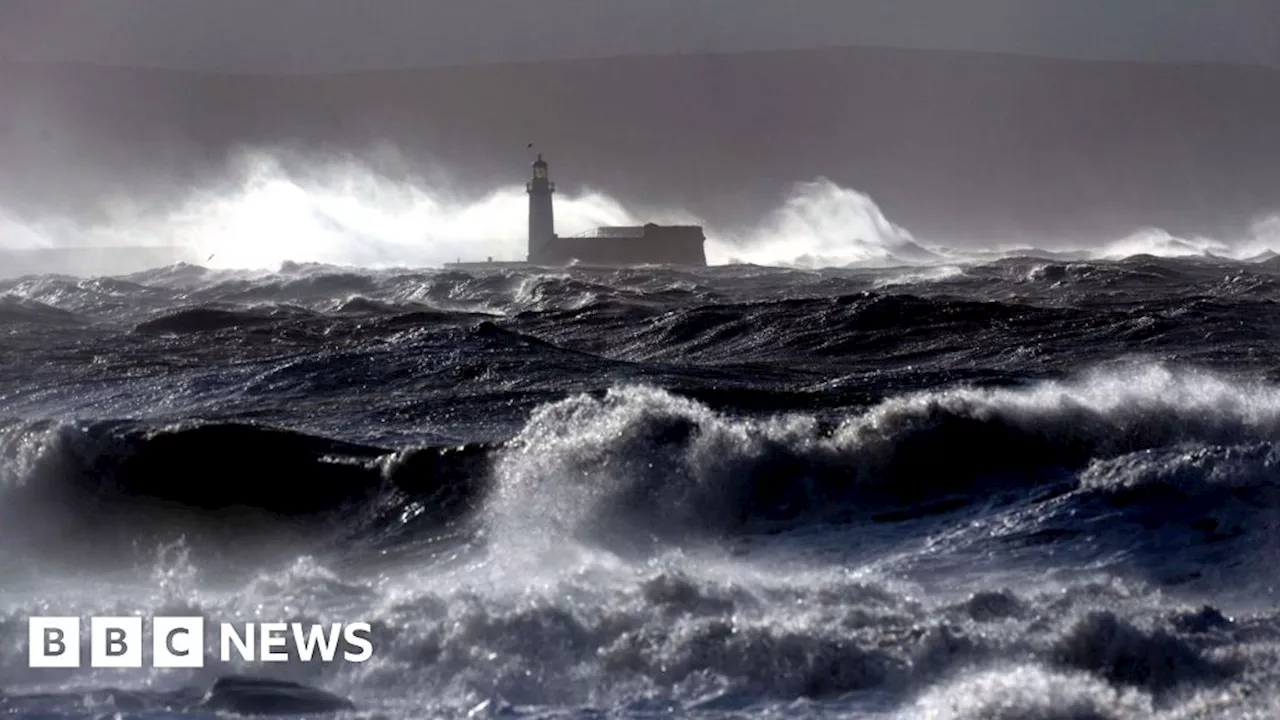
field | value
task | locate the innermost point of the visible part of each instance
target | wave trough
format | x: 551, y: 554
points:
x: 1030, y: 487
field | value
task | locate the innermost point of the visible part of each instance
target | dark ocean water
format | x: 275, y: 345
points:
x: 1023, y: 489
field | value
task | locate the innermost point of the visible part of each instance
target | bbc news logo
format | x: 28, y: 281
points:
x: 179, y: 642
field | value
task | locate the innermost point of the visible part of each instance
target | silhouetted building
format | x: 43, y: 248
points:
x: 648, y: 244
x: 542, y: 216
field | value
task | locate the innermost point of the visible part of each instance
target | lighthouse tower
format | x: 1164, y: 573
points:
x: 542, y: 225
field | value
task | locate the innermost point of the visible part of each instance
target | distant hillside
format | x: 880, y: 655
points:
x: 950, y: 144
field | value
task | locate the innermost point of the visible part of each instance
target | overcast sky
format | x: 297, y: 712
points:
x: 328, y: 35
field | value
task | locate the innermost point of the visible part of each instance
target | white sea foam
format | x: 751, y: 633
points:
x: 343, y: 213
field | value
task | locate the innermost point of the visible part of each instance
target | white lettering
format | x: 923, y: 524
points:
x: 274, y: 636
x: 307, y: 643
x: 244, y: 645
x: 352, y: 635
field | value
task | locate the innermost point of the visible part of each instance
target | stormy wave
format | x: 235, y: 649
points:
x: 1035, y: 486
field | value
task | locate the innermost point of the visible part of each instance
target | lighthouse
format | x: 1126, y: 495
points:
x: 542, y: 224
x: 647, y: 244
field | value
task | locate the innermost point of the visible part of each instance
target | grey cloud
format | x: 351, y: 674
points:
x: 334, y: 35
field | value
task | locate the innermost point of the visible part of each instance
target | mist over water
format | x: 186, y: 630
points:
x: 341, y: 212
x: 336, y: 212
x: 887, y: 478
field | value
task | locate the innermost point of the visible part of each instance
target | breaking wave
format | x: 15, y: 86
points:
x: 340, y: 212
x: 638, y: 469
x: 1028, y: 488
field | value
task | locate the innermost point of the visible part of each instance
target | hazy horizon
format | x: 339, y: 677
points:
x: 316, y: 36
x: 970, y: 151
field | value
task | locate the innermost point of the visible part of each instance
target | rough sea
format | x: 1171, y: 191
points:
x: 1013, y: 488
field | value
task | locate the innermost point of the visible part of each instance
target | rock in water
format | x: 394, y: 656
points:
x: 260, y: 696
